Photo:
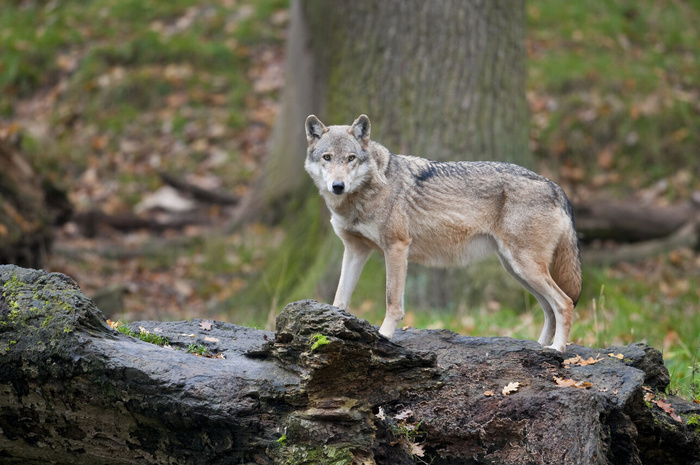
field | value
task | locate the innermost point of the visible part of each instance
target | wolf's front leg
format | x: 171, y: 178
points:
x: 396, y: 257
x: 354, y: 259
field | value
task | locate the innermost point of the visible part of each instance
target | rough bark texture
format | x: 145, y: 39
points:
x: 324, y: 388
x: 442, y: 80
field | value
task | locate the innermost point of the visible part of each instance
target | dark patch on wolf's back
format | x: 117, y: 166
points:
x: 436, y: 169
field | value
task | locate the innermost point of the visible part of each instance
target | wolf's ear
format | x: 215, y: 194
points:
x: 360, y: 129
x: 314, y: 129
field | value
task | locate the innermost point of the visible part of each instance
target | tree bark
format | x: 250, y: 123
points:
x: 324, y: 388
x: 442, y: 80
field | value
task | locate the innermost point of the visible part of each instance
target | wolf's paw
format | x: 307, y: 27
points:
x: 558, y: 348
x: 387, y: 330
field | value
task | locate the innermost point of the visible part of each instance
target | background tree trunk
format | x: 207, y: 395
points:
x: 442, y: 80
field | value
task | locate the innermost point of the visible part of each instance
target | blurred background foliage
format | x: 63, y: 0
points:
x: 107, y: 94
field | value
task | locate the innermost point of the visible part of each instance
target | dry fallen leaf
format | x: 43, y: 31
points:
x: 510, y: 388
x: 617, y: 356
x: 417, y: 449
x: 666, y: 407
x: 648, y: 397
x: 489, y: 393
x: 381, y: 414
x: 580, y: 361
x: 211, y: 339
x: 205, y: 325
x: 571, y: 383
x: 564, y: 382
x: 403, y: 415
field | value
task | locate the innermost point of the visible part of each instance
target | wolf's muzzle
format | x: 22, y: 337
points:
x: 338, y: 187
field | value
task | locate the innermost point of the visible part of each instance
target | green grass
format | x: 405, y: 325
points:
x: 622, y: 76
x: 143, y: 335
x: 197, y: 349
x: 122, y: 65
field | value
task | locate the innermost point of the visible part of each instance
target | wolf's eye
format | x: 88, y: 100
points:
x: 327, y: 157
x: 351, y: 157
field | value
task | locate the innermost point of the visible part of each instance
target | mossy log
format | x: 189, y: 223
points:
x: 325, y: 387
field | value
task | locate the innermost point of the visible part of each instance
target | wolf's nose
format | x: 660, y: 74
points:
x: 338, y: 187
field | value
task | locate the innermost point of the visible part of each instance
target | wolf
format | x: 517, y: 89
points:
x: 444, y: 214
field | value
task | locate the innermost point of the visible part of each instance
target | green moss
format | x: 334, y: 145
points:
x: 318, y: 340
x: 282, y: 440
x: 45, y: 305
x: 693, y: 420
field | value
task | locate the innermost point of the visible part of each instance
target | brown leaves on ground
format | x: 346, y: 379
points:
x: 571, y: 383
x: 577, y: 360
x: 205, y: 325
x: 662, y: 404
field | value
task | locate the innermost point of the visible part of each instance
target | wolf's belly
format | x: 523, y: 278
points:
x: 446, y: 252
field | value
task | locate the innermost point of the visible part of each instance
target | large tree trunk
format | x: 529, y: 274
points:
x: 442, y: 80
x: 324, y: 388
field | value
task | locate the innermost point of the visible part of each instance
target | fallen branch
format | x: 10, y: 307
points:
x: 631, y: 221
x: 90, y: 221
x: 218, y: 197
x: 686, y: 236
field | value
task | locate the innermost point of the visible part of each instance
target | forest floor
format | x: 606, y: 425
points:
x: 110, y: 94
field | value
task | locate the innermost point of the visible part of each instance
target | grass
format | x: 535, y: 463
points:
x: 143, y: 335
x: 620, y: 77
x: 156, y: 74
x: 197, y: 349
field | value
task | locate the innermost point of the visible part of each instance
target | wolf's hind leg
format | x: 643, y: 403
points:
x: 354, y: 259
x: 557, y: 306
x: 549, y: 326
x: 396, y: 257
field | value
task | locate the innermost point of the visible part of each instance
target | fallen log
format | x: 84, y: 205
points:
x: 630, y: 221
x: 91, y: 221
x: 325, y: 387
x: 201, y: 194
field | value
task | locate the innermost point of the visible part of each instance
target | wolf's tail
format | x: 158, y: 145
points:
x: 566, y: 264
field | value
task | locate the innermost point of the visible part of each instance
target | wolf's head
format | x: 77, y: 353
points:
x: 338, y: 157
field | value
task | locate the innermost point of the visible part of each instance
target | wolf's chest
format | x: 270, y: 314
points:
x: 367, y: 230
